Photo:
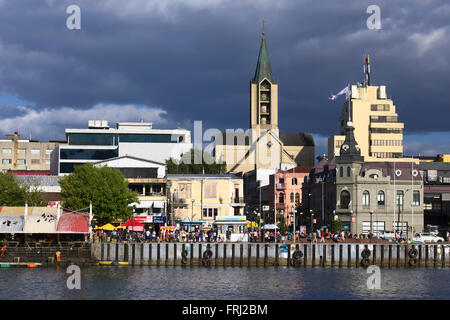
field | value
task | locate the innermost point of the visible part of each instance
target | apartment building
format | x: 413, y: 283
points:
x: 25, y: 154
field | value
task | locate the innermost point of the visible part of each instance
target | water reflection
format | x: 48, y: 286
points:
x: 191, y: 283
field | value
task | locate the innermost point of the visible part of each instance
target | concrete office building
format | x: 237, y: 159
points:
x: 135, y: 139
x: 375, y: 119
x: 25, y: 154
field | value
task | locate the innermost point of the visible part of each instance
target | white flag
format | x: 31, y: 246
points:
x: 343, y: 91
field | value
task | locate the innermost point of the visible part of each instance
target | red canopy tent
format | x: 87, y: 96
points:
x: 134, y: 224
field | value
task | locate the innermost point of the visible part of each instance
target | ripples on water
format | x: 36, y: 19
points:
x: 221, y: 283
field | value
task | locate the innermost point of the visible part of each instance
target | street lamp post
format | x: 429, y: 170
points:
x: 312, y: 216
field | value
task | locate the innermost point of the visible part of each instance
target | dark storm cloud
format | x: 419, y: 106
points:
x: 194, y: 59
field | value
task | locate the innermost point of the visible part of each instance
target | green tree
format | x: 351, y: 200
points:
x: 187, y: 164
x: 14, y: 193
x: 336, y: 225
x: 105, y: 187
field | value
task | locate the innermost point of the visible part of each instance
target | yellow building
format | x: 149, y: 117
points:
x: 205, y: 198
x: 375, y: 119
x: 262, y: 146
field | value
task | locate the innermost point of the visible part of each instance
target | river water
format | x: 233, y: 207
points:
x: 192, y: 283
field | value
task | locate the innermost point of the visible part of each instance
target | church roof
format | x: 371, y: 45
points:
x: 297, y: 139
x: 288, y: 139
x: 263, y: 69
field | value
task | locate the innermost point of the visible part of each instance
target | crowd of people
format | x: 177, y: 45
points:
x: 214, y: 235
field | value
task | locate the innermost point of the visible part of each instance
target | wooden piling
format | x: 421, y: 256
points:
x: 102, y: 253
x: 216, y: 256
x: 174, y: 254
x: 357, y: 256
x: 382, y: 256
x: 150, y: 253
x: 442, y: 256
x: 398, y: 256
x: 349, y: 255
x: 117, y: 251
x: 257, y: 255
x: 265, y: 255
x: 224, y: 254
x: 324, y: 255
x: 289, y: 256
x: 305, y: 254
x: 249, y: 253
x: 232, y: 255
x: 108, y: 252
x: 158, y: 254
x: 332, y: 255
x: 313, y: 255
x: 125, y: 255
x: 133, y: 253
x: 191, y: 260
x: 241, y: 258
x: 374, y: 254
x: 277, y: 255
x: 340, y: 255
x: 435, y: 256
x: 426, y: 255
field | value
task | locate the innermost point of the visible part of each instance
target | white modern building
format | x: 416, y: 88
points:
x: 135, y: 139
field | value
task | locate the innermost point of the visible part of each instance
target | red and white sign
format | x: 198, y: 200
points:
x: 53, y: 204
x: 353, y: 219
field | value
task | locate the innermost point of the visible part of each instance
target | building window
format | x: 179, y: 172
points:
x: 48, y: 151
x: 366, y: 198
x: 21, y: 161
x: 281, y: 180
x: 292, y: 197
x: 35, y: 151
x: 345, y: 199
x: 47, y: 162
x: 7, y: 150
x: 184, y: 191
x: 139, y: 188
x: 416, y: 198
x: 341, y: 171
x: 381, y: 198
x: 281, y: 198
x: 210, y: 189
x: 400, y: 196
x: 6, y: 161
x: 35, y: 161
x: 297, y: 197
x: 348, y: 171
x: 294, y: 181
x: 21, y: 150
x: 402, y: 226
x: 376, y: 226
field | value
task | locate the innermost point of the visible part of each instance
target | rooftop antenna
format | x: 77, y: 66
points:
x: 367, y: 70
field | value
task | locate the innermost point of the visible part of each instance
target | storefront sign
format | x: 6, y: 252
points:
x: 353, y: 219
x: 159, y: 219
x: 231, y: 218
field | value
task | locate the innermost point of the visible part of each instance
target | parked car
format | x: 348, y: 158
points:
x: 427, y: 237
x: 387, y: 235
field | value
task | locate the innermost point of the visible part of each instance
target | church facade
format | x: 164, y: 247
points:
x: 262, y: 150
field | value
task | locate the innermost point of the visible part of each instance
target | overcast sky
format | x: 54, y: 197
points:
x: 173, y: 62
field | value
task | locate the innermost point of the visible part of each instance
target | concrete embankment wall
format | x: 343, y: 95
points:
x: 47, y: 255
x: 262, y: 254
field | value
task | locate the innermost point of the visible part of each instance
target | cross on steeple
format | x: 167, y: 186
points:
x: 263, y: 33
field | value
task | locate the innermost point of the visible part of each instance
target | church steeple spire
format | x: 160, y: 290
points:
x: 263, y: 69
x: 350, y: 150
